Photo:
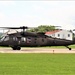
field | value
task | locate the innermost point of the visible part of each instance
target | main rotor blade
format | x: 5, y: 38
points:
x: 9, y: 28
x: 23, y: 27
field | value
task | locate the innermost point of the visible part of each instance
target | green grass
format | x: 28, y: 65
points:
x: 37, y: 64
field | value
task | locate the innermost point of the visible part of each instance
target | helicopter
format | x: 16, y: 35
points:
x: 31, y: 39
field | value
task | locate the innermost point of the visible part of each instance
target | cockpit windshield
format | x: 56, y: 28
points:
x: 3, y: 37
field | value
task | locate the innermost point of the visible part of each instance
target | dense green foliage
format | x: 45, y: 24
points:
x: 37, y: 64
x: 42, y: 28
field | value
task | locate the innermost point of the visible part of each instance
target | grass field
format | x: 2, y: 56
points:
x: 37, y: 64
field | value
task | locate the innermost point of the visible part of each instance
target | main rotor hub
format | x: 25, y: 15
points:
x: 23, y: 27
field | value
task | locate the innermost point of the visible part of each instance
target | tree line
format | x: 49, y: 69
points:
x: 42, y: 28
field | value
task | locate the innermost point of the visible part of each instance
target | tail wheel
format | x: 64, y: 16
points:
x: 69, y: 48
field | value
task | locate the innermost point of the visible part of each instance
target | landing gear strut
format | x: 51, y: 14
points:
x: 16, y: 47
x: 68, y: 47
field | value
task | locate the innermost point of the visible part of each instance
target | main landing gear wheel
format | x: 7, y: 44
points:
x: 16, y: 48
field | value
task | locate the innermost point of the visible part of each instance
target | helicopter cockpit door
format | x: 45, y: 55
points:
x: 16, y: 40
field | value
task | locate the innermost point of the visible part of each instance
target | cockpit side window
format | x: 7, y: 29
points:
x: 4, y: 38
x: 14, y: 38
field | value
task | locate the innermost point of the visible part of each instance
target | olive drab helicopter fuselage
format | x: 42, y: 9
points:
x: 31, y: 39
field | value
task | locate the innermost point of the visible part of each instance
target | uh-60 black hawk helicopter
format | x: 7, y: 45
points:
x: 31, y: 39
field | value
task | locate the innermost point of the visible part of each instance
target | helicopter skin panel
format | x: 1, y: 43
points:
x: 35, y: 41
x: 28, y: 40
x: 61, y: 42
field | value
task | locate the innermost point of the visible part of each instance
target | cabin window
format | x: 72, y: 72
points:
x: 28, y: 40
x: 58, y: 35
x: 23, y: 39
x: 53, y: 34
x: 14, y: 38
x: 68, y: 35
